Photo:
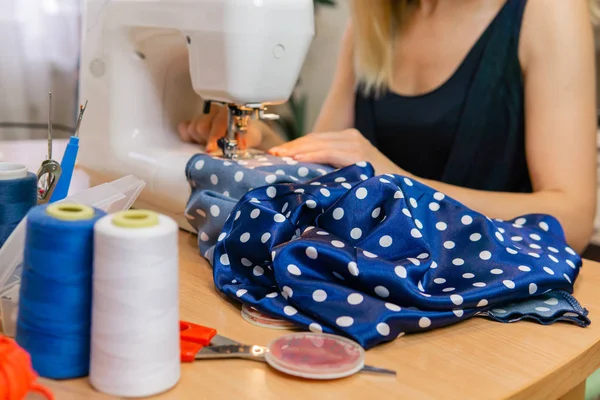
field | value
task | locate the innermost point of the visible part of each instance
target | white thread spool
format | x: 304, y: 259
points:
x: 135, y: 308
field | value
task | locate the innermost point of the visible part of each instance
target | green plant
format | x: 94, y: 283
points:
x: 293, y: 125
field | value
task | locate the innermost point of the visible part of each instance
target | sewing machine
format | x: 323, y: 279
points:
x: 147, y: 65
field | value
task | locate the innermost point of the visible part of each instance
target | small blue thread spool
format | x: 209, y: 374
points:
x: 18, y: 195
x: 54, y: 318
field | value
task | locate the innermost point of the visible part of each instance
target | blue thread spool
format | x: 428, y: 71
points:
x: 18, y: 195
x: 56, y: 291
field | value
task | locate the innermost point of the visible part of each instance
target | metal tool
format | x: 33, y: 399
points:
x: 202, y: 343
x: 50, y: 170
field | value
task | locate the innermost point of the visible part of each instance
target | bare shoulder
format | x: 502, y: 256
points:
x: 554, y: 27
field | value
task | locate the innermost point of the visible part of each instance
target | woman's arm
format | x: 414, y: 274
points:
x: 556, y: 53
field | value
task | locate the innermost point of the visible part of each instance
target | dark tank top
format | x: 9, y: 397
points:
x: 470, y: 131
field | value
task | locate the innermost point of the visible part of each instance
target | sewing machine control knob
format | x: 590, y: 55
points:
x: 278, y: 51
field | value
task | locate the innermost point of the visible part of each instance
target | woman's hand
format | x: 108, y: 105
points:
x: 207, y: 129
x: 338, y: 149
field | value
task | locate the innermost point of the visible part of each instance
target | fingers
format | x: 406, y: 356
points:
x: 337, y: 159
x: 217, y: 131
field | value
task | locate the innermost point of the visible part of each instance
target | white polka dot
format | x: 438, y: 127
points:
x: 258, y: 271
x: 398, y: 195
x: 535, y: 255
x: 289, y: 310
x: 287, y: 292
x: 567, y: 278
x: 222, y: 236
x: 246, y: 262
x: 439, y: 196
x: 552, y: 249
x: 382, y: 291
x: 485, y: 255
x: 479, y: 284
x: 340, y: 179
x: 299, y: 191
x: 364, y: 177
x: 499, y: 236
x: 214, y: 179
x: 356, y: 233
x: 241, y: 292
x: 346, y: 185
x: 535, y: 236
x: 482, y: 303
x: 570, y: 251
x: 441, y: 226
x: 319, y: 296
x: 338, y: 244
x: 201, y: 213
x: 392, y: 307
x: 383, y: 329
x: 311, y: 252
x: 385, y: 241
x: 550, y: 256
x: 456, y: 299
x: 204, y: 237
x: 272, y: 295
x: 338, y: 213
x: 285, y: 206
x: 270, y: 178
x: 215, y: 210
x: 376, y: 212
x: 524, y: 268
x: 551, y: 301
x: 433, y: 265
x: 548, y: 270
x: 408, y: 182
x: 368, y: 254
x: 516, y: 238
x: 542, y: 309
x: 424, y: 322
x: 413, y: 203
x: 419, y: 224
x: 496, y: 271
x: 361, y: 193
x: 521, y: 221
x: 311, y: 204
x: 406, y: 212
x: 509, y: 284
x: 434, y: 206
x: 466, y: 220
x: 316, y: 328
x: 511, y: 250
x: 199, y: 165
x: 400, y: 271
x: 544, y: 226
x: 325, y: 192
x: 361, y: 164
x: 273, y: 255
x: 302, y: 172
x: 294, y: 270
x: 344, y: 322
x: 458, y: 313
x: 355, y: 299
x: 384, y: 180
x: 458, y: 262
x: 254, y: 200
x: 535, y: 246
x: 245, y: 237
x: 224, y: 259
x: 255, y: 213
x: 265, y: 237
x: 449, y: 244
x: 420, y: 286
x: 353, y: 268
x: 279, y: 218
x: 570, y: 263
x: 475, y: 237
x: 423, y: 256
x: 468, y: 275
x: 237, y: 215
x: 271, y: 191
x: 439, y: 281
x: 532, y: 288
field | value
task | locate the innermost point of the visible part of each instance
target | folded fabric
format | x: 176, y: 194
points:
x: 373, y: 258
x: 218, y: 184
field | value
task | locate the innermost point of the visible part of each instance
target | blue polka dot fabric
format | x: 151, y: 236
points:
x: 218, y: 184
x: 373, y: 258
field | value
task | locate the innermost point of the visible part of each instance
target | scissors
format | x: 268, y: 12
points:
x: 203, y: 343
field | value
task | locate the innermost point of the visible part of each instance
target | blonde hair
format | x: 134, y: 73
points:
x: 375, y: 24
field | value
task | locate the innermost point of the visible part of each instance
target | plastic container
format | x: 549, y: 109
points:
x: 110, y: 197
x: 255, y: 317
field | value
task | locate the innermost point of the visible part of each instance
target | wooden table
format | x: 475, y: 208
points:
x: 476, y: 359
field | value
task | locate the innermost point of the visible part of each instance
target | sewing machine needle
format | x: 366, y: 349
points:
x: 48, y: 178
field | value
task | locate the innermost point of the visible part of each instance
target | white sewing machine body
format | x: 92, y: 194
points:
x: 146, y: 65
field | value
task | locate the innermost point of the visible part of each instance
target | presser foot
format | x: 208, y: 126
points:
x: 230, y: 150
